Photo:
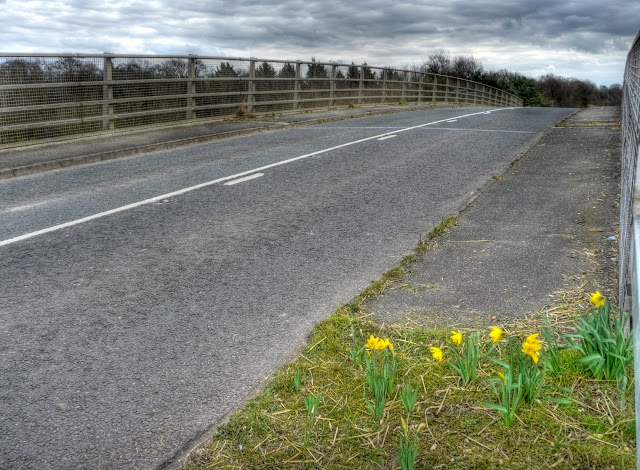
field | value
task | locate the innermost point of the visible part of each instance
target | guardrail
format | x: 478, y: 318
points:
x: 629, y: 242
x: 55, y: 96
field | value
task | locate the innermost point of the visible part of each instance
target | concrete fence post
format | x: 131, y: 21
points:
x: 191, y: 88
x: 361, y: 85
x: 296, y: 89
x: 467, y: 91
x: 251, y: 88
x: 404, y: 87
x: 332, y: 86
x: 385, y: 77
x: 434, y: 87
x: 107, y: 94
x: 446, y: 89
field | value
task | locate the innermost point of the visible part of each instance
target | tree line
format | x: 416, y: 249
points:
x: 548, y: 90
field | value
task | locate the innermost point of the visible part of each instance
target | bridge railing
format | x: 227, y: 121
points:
x: 629, y: 241
x: 47, y: 97
x: 629, y: 209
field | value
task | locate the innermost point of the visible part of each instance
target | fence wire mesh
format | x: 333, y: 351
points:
x: 630, y: 144
x: 49, y: 97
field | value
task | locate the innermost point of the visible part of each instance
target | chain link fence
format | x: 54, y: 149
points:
x: 47, y: 97
x: 630, y: 141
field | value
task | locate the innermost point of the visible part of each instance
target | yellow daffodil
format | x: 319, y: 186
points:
x: 597, y: 299
x: 437, y: 353
x: 533, y: 339
x: 371, y: 344
x: 501, y: 375
x: 496, y: 334
x: 378, y: 343
x: 532, y: 349
x: 456, y: 337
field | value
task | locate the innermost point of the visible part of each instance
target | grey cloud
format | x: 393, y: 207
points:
x: 377, y: 31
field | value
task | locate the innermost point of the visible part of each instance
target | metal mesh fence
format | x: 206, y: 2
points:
x: 48, y: 97
x: 630, y: 143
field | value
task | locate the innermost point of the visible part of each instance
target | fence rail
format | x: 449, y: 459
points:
x: 56, y: 96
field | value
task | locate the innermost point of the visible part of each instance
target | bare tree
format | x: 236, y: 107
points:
x: 466, y: 67
x: 439, y: 62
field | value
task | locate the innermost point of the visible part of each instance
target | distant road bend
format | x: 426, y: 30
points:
x: 141, y: 299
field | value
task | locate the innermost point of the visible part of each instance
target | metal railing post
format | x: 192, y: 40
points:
x: 107, y: 94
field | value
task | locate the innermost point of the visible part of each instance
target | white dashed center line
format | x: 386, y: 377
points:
x: 246, y: 178
x: 231, y: 179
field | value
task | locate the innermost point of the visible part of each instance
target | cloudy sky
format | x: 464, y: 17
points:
x: 583, y: 39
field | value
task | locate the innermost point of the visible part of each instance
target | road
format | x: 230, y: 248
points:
x: 142, y: 298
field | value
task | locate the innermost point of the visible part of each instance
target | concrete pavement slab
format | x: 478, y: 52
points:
x: 538, y: 228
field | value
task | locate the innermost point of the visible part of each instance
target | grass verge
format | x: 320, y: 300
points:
x: 576, y: 423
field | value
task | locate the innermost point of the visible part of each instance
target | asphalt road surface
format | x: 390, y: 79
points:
x: 142, y: 298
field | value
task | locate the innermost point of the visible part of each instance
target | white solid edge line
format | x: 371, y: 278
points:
x: 387, y: 137
x: 242, y: 180
x: 99, y: 215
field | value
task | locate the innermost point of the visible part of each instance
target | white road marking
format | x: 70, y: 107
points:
x: 453, y: 120
x: 479, y: 130
x: 387, y: 137
x: 116, y: 210
x: 246, y: 178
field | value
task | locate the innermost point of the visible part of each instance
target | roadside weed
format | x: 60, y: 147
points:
x: 408, y: 446
x: 358, y: 349
x: 601, y: 341
x: 466, y: 361
x: 298, y: 376
x: 408, y: 396
x: 508, y: 391
x: 311, y: 403
x: 552, y: 361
